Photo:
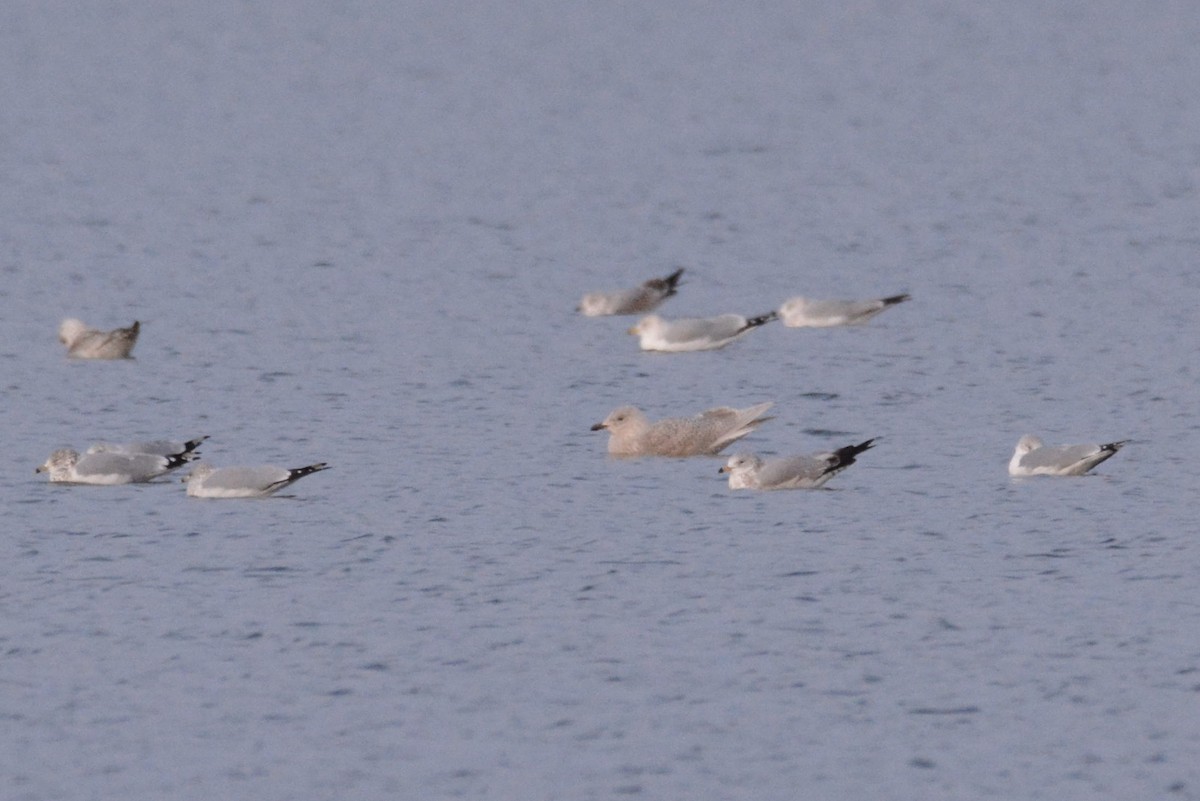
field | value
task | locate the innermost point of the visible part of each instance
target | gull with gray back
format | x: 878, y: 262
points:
x: 638, y: 300
x: 748, y: 471
x: 68, y: 467
x: 206, y: 481
x: 89, y: 343
x: 800, y: 312
x: 691, y: 334
x: 161, y: 447
x: 1032, y: 457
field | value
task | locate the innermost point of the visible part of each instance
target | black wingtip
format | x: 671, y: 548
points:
x: 192, y: 444
x: 668, y: 285
x: 894, y: 299
x: 762, y: 319
x: 300, y: 472
x: 180, y: 459
x: 1113, y: 447
x: 846, y: 455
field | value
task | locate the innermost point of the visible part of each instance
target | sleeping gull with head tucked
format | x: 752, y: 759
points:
x: 706, y: 434
x: 644, y: 298
x: 704, y: 333
x: 89, y: 343
x: 1033, y: 458
x: 800, y: 312
x: 206, y: 481
x: 748, y: 471
x: 68, y: 467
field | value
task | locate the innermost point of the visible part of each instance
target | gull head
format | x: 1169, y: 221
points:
x: 1028, y: 443
x: 794, y: 305
x: 740, y: 463
x: 59, y: 464
x: 70, y: 329
x: 593, y: 304
x: 198, y: 472
x: 651, y: 322
x: 620, y: 418
x: 742, y: 469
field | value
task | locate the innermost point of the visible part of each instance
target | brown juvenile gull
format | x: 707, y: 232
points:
x: 704, y: 333
x: 1033, y: 458
x: 88, y: 343
x: 67, y: 466
x: 206, y: 481
x: 800, y: 312
x: 748, y: 471
x: 644, y: 298
x: 706, y: 434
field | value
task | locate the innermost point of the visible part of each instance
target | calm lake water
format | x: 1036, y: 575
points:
x: 357, y: 234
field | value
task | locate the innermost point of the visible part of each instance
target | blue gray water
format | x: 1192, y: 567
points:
x: 356, y: 233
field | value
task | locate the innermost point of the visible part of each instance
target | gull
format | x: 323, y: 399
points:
x: 640, y: 299
x: 800, y: 312
x: 67, y: 466
x: 748, y: 471
x: 706, y: 434
x: 160, y: 447
x: 206, y: 481
x: 705, y: 333
x: 1033, y: 458
x: 89, y: 343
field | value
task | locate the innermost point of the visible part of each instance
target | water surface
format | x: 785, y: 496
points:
x: 357, y: 235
